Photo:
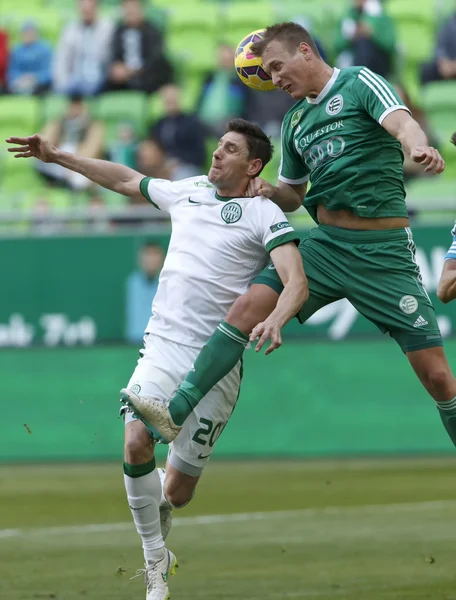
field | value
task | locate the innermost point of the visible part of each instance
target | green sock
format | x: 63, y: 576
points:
x: 447, y: 412
x: 216, y: 359
x: 139, y: 470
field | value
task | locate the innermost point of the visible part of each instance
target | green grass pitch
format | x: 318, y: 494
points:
x: 348, y: 530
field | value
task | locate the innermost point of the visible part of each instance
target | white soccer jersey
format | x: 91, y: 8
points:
x: 217, y: 246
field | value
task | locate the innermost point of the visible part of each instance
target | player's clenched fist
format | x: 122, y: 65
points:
x: 428, y: 157
x: 34, y: 145
x: 260, y: 187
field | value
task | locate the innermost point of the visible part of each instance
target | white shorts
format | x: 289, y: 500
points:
x: 159, y: 373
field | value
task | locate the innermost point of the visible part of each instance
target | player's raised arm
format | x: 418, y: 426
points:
x: 112, y: 176
x: 413, y: 139
x: 288, y: 197
x: 288, y: 262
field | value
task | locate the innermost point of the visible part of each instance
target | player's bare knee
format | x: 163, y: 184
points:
x: 138, y: 447
x: 441, y: 382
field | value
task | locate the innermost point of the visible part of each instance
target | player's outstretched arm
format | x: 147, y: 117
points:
x: 115, y: 177
x: 413, y: 139
x: 446, y: 290
x: 288, y: 262
x: 287, y: 197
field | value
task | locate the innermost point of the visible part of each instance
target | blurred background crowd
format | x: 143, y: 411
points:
x: 151, y: 84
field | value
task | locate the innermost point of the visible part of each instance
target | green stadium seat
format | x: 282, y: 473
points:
x: 49, y: 22
x: 192, y: 33
x: 238, y: 22
x: 19, y: 114
x: 431, y: 193
x: 52, y: 107
x: 439, y: 103
x: 114, y: 108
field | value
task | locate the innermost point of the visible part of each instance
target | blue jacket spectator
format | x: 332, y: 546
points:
x: 141, y: 289
x: 29, y: 69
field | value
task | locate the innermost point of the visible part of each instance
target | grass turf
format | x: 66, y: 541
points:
x: 370, y: 530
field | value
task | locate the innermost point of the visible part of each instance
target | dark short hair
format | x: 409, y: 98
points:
x: 151, y: 245
x: 290, y: 34
x: 258, y: 143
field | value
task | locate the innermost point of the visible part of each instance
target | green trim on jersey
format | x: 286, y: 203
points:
x: 143, y: 186
x: 282, y: 239
x: 225, y: 198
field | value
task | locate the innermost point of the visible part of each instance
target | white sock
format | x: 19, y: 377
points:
x: 144, y: 495
x: 162, y: 475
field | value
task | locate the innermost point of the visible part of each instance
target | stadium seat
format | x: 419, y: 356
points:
x: 52, y: 107
x: 237, y: 23
x: 439, y: 103
x: 19, y: 114
x: 114, y: 108
x: 192, y: 33
x: 48, y: 20
x: 431, y: 194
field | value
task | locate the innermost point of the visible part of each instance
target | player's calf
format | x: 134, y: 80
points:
x: 434, y: 372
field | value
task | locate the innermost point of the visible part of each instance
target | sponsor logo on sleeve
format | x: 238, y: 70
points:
x: 278, y: 226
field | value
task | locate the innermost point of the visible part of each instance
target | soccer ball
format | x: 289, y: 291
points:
x: 250, y: 67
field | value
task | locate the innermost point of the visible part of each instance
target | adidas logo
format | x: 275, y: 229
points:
x: 420, y: 322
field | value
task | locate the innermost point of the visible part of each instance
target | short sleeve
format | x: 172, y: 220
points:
x: 452, y: 250
x: 275, y: 229
x: 159, y: 192
x: 376, y: 95
x: 292, y: 168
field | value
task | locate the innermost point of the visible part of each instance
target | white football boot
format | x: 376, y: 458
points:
x: 154, y: 414
x: 156, y: 576
x: 166, y: 510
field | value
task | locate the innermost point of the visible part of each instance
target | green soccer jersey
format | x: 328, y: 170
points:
x: 336, y: 140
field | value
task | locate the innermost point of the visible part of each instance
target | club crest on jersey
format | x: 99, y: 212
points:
x: 231, y: 212
x: 335, y: 105
x: 295, y: 118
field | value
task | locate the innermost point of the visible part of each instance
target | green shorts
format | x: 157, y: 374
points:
x: 377, y: 272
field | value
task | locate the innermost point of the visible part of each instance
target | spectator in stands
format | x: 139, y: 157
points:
x: 367, y: 37
x: 182, y: 135
x: 29, y: 69
x: 3, y: 59
x: 152, y: 160
x: 444, y: 64
x: 82, y: 54
x: 124, y: 148
x: 141, y: 289
x: 223, y: 95
x: 74, y: 132
x: 138, y: 58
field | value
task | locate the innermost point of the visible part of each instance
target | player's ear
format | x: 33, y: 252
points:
x: 255, y: 167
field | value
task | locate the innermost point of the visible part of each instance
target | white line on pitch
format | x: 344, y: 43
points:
x: 364, y: 509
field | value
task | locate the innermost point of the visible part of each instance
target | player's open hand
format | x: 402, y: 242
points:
x: 428, y: 157
x: 33, y: 146
x: 259, y: 187
x: 267, y: 330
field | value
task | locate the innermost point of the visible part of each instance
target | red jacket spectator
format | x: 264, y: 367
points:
x: 3, y: 57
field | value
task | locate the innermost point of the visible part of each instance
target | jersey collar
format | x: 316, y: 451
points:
x: 223, y: 198
x: 325, y: 91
